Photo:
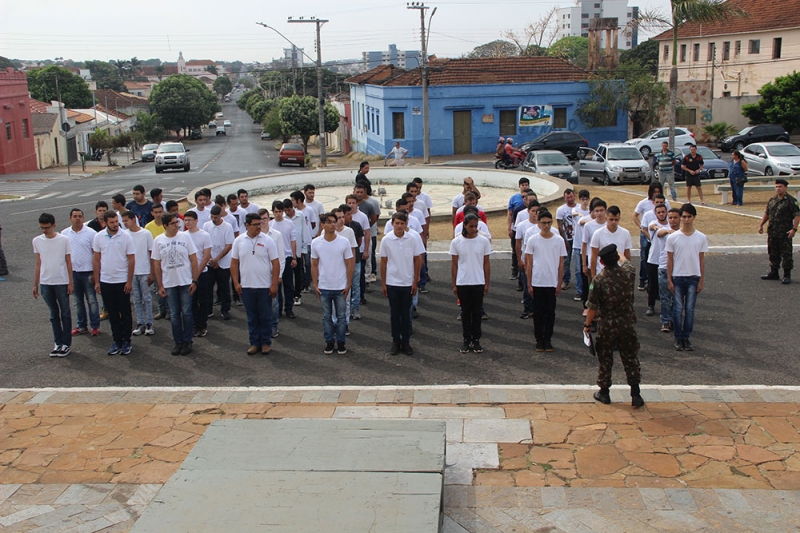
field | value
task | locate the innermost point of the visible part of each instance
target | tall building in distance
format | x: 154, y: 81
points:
x: 406, y: 59
x: 293, y: 57
x: 573, y: 21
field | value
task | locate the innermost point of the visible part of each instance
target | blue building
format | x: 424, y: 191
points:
x: 472, y: 102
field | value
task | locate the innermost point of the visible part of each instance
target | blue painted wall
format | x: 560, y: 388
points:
x: 381, y: 102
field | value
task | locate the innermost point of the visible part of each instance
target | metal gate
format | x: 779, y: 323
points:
x: 462, y: 132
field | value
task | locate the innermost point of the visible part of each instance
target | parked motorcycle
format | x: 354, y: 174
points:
x: 517, y: 157
x: 97, y: 155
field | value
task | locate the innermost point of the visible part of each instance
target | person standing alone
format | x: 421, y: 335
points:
x: 783, y: 215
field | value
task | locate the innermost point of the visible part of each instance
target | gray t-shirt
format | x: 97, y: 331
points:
x: 371, y: 207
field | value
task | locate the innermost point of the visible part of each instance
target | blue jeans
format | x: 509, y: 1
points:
x: 668, y: 177
x: 643, y: 243
x: 567, y: 263
x: 276, y: 308
x: 576, y: 262
x: 258, y: 306
x: 423, y: 276
x: 333, y: 301
x: 738, y: 191
x: 56, y: 298
x: 84, y: 292
x: 307, y: 267
x: 683, y: 305
x: 180, y: 305
x: 665, y: 296
x: 354, y: 299
x: 142, y: 300
x: 527, y: 299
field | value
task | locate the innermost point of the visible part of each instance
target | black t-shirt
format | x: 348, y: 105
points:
x: 693, y: 163
x: 95, y: 225
x: 362, y: 178
x: 358, y: 230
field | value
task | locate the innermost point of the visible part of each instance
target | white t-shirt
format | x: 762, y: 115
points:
x: 286, y: 227
x: 686, y: 250
x: 656, y: 244
x: 602, y: 238
x: 81, y: 243
x: 412, y: 224
x: 233, y: 221
x: 522, y: 232
x: 202, y: 242
x: 239, y: 215
x: 255, y: 257
x: 333, y: 256
x: 647, y: 205
x: 174, y: 254
x: 419, y: 206
x: 577, y: 230
x: 483, y: 229
x: 221, y: 236
x: 350, y: 235
x: 202, y: 216
x: 143, y: 241
x: 53, y: 257
x: 521, y: 217
x: 277, y: 238
x: 458, y: 200
x: 470, y: 253
x: 251, y: 208
x: 418, y: 215
x: 399, y: 153
x: 300, y: 222
x: 565, y: 214
x: 588, y: 232
x: 425, y: 197
x: 662, y: 256
x: 363, y: 221
x: 114, y: 251
x: 546, y: 255
x: 400, y: 253
x: 317, y: 208
x: 309, y: 215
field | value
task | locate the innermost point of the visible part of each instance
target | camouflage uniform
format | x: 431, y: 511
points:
x: 611, y: 294
x: 781, y: 213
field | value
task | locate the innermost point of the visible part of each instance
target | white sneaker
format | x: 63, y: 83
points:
x: 148, y: 330
x: 139, y: 330
x: 298, y: 301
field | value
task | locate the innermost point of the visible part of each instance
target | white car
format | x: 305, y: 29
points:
x: 649, y: 142
x: 228, y: 124
x: 172, y: 155
x: 772, y: 158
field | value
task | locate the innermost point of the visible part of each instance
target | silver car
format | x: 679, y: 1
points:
x: 615, y: 163
x: 149, y: 152
x: 772, y: 158
x: 649, y: 142
x: 550, y: 162
x: 172, y: 155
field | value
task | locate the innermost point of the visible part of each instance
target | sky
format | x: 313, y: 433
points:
x: 227, y: 31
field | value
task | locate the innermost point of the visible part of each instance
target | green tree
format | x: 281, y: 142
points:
x: 183, y: 101
x: 681, y: 12
x: 106, y: 75
x: 497, y: 48
x: 573, y: 49
x: 122, y: 66
x: 135, y: 66
x: 299, y: 115
x: 779, y: 104
x: 645, y: 54
x: 149, y: 128
x: 101, y: 140
x: 212, y: 69
x: 222, y: 85
x: 5, y: 63
x: 252, y: 102
x: 719, y: 130
x: 246, y: 96
x: 247, y: 82
x: 260, y: 109
x: 272, y: 125
x: 74, y: 91
x: 236, y: 67
x: 159, y: 71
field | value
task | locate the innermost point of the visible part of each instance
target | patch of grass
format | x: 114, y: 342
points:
x: 736, y: 472
x: 7, y: 196
x: 697, y: 433
x: 546, y: 467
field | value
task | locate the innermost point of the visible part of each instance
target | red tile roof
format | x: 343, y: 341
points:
x: 120, y: 99
x: 761, y: 15
x: 376, y: 76
x: 200, y: 63
x: 111, y: 112
x: 37, y: 106
x: 169, y: 70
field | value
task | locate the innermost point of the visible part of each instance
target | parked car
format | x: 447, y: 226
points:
x: 228, y: 124
x: 772, y: 158
x: 149, y: 152
x: 196, y: 133
x: 753, y: 134
x: 567, y: 142
x: 220, y: 114
x: 222, y: 131
x: 615, y: 163
x: 292, y: 153
x: 212, y: 124
x: 172, y: 155
x: 550, y: 162
x: 649, y: 142
x: 713, y: 165
x: 265, y: 135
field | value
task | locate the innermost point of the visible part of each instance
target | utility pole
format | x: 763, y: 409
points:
x: 426, y: 130
x: 61, y: 119
x: 323, y: 157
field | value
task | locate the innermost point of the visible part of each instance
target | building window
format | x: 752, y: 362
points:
x: 8, y: 131
x: 597, y: 15
x: 776, y: 48
x: 683, y: 53
x: 584, y: 34
x: 712, y: 51
x: 508, y: 122
x: 755, y: 46
x: 378, y: 122
x: 584, y: 15
x: 630, y: 15
x: 585, y: 25
x: 25, y: 133
x: 726, y: 94
x: 726, y: 50
x: 737, y: 48
x: 560, y: 117
x: 696, y: 52
x: 597, y: 6
x: 398, y: 125
x: 666, y: 52
x: 686, y: 116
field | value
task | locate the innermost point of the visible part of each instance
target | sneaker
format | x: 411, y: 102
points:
x: 126, y: 348
x: 176, y: 349
x: 476, y: 347
x: 305, y: 289
x: 687, y: 345
x: 539, y: 347
x: 114, y: 350
x: 678, y: 345
x: 341, y: 349
x: 602, y: 396
x: 139, y: 330
x: 289, y: 314
x: 56, y: 351
x: 226, y: 316
x: 519, y: 288
x: 160, y: 315
x: 424, y: 290
x: 148, y: 330
x: 394, y: 349
x: 548, y: 346
x: 298, y: 301
x: 95, y: 332
x: 407, y: 349
x: 275, y: 333
x: 577, y: 297
x: 356, y: 314
x: 237, y: 303
x: 512, y: 276
x: 78, y: 331
x: 372, y: 277
x: 459, y: 317
x: 328, y: 348
x: 347, y: 331
x: 65, y: 350
x: 564, y: 285
x: 484, y: 316
x: 187, y: 348
x: 650, y: 311
x: 585, y: 312
x: 209, y: 315
x: 202, y: 332
x: 525, y: 315
x: 464, y: 347
x: 642, y: 285
x: 414, y: 313
x: 665, y: 327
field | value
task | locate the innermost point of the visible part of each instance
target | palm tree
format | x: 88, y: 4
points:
x: 135, y: 66
x: 212, y: 69
x: 681, y: 12
x: 159, y: 71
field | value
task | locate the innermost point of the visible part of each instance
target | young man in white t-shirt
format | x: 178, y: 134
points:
x: 332, y: 265
x: 343, y: 230
x: 81, y: 237
x: 565, y: 219
x: 53, y: 275
x: 202, y: 299
x: 303, y: 234
x: 686, y: 251
x: 544, y: 266
x: 277, y: 238
x: 312, y: 225
x: 219, y: 266
x: 245, y: 203
x: 522, y: 233
x: 203, y: 212
x: 143, y: 275
x: 316, y: 206
x: 580, y: 211
x: 401, y: 261
x: 645, y: 206
x: 653, y: 252
x: 665, y: 295
x: 255, y: 270
x: 470, y: 272
x: 611, y: 233
x: 286, y: 227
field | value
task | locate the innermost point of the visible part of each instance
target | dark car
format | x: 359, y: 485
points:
x: 196, y: 133
x: 753, y: 134
x: 568, y: 142
x: 713, y: 166
x: 292, y: 153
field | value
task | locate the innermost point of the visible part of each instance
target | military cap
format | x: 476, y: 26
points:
x: 781, y: 182
x: 609, y: 252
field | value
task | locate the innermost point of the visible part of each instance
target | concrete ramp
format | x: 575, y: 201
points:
x: 305, y: 475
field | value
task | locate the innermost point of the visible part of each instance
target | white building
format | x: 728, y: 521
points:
x: 573, y: 21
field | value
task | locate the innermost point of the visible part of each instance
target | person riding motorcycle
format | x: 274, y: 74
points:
x: 508, y: 152
x: 500, y: 150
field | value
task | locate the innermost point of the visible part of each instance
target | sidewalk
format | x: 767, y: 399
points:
x: 518, y: 458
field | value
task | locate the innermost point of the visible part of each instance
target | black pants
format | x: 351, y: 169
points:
x: 362, y: 276
x: 544, y: 313
x: 118, y: 306
x: 652, y: 287
x: 400, y: 312
x: 221, y: 277
x: 287, y: 279
x: 514, y: 258
x: 779, y: 248
x: 471, y: 297
x: 298, y: 277
x: 202, y: 301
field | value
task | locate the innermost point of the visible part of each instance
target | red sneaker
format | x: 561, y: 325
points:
x: 78, y: 331
x: 95, y: 332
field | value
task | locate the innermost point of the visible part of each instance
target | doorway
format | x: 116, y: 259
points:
x: 462, y: 132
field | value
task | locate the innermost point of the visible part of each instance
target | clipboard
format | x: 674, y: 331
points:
x: 589, y: 341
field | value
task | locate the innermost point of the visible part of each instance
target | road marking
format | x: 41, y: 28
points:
x: 111, y: 193
x: 47, y: 196
x: 53, y: 207
x: 67, y: 195
x: 92, y: 193
x: 177, y: 189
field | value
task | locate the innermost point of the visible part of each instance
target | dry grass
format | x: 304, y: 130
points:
x: 7, y: 196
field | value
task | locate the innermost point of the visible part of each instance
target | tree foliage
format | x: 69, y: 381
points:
x: 247, y: 82
x: 105, y: 75
x: 212, y: 69
x: 645, y: 54
x: 779, y: 104
x: 498, y: 48
x: 183, y: 101
x: 260, y: 109
x: 719, y: 130
x: 272, y: 125
x: 282, y: 82
x: 222, y: 85
x: 299, y: 115
x: 5, y: 63
x: 573, y: 49
x: 246, y: 96
x: 149, y: 128
x: 74, y: 91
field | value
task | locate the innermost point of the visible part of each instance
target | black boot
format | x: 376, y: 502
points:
x: 787, y: 276
x: 602, y: 396
x: 773, y: 274
x: 636, y: 398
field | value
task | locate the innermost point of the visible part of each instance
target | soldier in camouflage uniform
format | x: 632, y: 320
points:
x: 783, y: 214
x: 611, y: 295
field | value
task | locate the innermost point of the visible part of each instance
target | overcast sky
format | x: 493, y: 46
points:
x: 227, y: 30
